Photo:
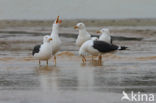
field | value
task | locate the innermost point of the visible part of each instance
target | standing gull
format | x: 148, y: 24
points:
x: 56, y: 42
x: 43, y: 51
x: 105, y: 35
x: 83, y: 34
x: 97, y: 47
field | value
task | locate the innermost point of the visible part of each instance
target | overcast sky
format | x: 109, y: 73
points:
x: 74, y: 9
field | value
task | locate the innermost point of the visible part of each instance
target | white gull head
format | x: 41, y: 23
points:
x: 47, y: 39
x: 105, y: 35
x: 80, y: 26
x: 105, y: 30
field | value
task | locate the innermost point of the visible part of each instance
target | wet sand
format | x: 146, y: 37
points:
x: 22, y: 80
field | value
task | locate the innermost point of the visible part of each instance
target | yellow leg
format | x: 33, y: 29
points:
x: 83, y: 59
x: 100, y: 59
x: 55, y: 60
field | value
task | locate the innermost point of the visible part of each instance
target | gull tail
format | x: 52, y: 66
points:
x: 122, y: 48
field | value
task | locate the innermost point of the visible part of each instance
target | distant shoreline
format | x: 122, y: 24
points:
x: 88, y: 22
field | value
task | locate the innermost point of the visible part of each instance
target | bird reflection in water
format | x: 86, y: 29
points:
x: 47, y: 76
x: 46, y: 69
x: 55, y: 79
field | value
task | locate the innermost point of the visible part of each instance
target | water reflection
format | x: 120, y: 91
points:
x: 51, y: 78
x: 111, y: 76
x: 93, y: 78
x: 85, y: 79
x: 47, y: 77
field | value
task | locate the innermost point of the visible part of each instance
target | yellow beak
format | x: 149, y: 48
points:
x: 76, y: 27
x: 98, y: 31
x: 50, y: 39
x: 57, y: 19
x: 60, y: 21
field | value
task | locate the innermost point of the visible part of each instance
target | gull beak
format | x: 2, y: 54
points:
x: 60, y: 21
x: 76, y: 27
x: 98, y: 32
x: 50, y: 39
x: 57, y: 20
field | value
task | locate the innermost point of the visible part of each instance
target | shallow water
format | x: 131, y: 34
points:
x: 22, y: 80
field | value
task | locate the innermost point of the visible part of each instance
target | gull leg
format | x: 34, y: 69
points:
x: 83, y: 59
x: 55, y: 60
x: 47, y: 62
x: 100, y: 59
x: 39, y: 62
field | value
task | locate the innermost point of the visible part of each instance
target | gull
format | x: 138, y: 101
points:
x: 105, y: 35
x: 97, y: 47
x: 56, y: 42
x: 43, y: 51
x: 83, y: 34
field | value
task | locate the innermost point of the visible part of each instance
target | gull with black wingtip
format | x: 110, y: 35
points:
x: 43, y: 52
x: 97, y: 47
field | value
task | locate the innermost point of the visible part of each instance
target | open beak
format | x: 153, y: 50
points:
x: 98, y: 32
x: 58, y: 21
x: 50, y: 39
x: 76, y: 27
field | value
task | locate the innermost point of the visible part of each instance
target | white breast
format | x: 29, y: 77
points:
x: 105, y: 37
x: 87, y: 48
x: 80, y: 40
x: 82, y: 37
x: 45, y: 52
x: 56, y: 45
